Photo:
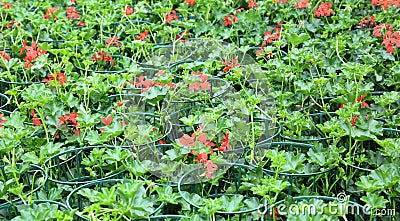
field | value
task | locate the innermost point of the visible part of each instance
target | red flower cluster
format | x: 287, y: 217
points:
x: 189, y: 141
x: 103, y: 56
x: 382, y: 28
x: 390, y: 37
x: 49, y: 12
x: 1, y: 120
x: 367, y: 21
x: 202, y: 85
x: 190, y: 2
x: 252, y: 4
x: 385, y: 3
x: 147, y: 84
x: 324, y: 10
x: 36, y: 121
x: 229, y: 20
x: 112, y: 41
x: 361, y: 99
x: 211, y: 167
x: 10, y: 24
x: 72, y: 13
x: 225, y: 144
x: 230, y: 63
x: 128, y: 10
x: 69, y: 119
x: 301, y: 4
x: 32, y: 52
x: 58, y: 76
x: 122, y: 103
x: 81, y: 24
x: 170, y: 17
x: 7, y: 5
x: 142, y: 36
x: 208, y: 164
x: 268, y: 39
x: 354, y: 120
x: 3, y: 54
x: 281, y: 1
x: 107, y: 121
x: 363, y: 103
x: 182, y: 35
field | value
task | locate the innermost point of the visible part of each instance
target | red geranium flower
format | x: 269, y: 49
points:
x: 2, y: 120
x: 225, y: 144
x: 36, y: 121
x: 71, y: 118
x: 324, y: 10
x: 3, y: 54
x: 385, y: 3
x: 301, y: 4
x: 354, y: 120
x: 170, y: 17
x: 128, y: 10
x: 103, y: 56
x: 203, y: 84
x: 112, y: 41
x: 363, y: 103
x: 81, y: 24
x: 72, y: 13
x: 49, y: 12
x: 391, y: 39
x: 144, y: 84
x: 32, y: 52
x: 202, y: 157
x: 230, y: 63
x: 378, y: 29
x: 252, y: 4
x: 210, y: 168
x: 58, y: 76
x: 230, y: 19
x: 191, y: 2
x: 367, y: 21
x: 6, y: 5
x: 187, y: 141
x: 107, y: 121
x: 142, y: 36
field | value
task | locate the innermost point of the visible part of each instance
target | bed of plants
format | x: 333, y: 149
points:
x: 199, y: 110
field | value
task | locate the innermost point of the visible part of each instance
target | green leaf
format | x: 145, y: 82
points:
x: 232, y: 204
x: 295, y: 39
x: 368, y: 184
x: 93, y: 138
x: 172, y: 154
x: 166, y: 194
x: 294, y: 163
x: 374, y: 200
x: 193, y: 198
x: 189, y: 121
x: 136, y: 168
